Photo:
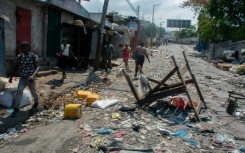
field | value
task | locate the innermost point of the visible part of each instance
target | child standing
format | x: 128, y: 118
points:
x: 126, y: 57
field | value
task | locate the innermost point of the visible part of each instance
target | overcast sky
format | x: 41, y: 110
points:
x: 169, y: 9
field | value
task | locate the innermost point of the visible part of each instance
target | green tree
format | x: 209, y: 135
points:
x: 150, y: 30
x: 219, y: 18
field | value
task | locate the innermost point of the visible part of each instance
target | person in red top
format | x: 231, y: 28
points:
x: 126, y: 56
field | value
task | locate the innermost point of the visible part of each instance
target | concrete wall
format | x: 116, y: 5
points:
x: 8, y: 8
x: 216, y: 50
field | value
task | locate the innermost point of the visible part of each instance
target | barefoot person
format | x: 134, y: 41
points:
x: 28, y: 66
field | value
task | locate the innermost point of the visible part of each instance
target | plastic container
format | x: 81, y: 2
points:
x: 83, y: 94
x: 92, y: 98
x: 73, y: 111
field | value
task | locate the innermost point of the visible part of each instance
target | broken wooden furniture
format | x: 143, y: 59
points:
x: 163, y: 90
x: 234, y: 102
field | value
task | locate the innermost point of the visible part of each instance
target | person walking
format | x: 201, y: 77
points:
x: 28, y: 66
x: 109, y: 53
x: 65, y: 50
x: 139, y: 55
x: 126, y: 54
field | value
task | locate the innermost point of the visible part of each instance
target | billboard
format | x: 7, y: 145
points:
x: 175, y: 23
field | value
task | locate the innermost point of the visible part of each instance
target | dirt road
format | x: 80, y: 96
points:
x: 66, y: 135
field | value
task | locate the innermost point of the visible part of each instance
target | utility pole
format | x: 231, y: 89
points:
x: 153, y: 13
x: 102, y: 32
x: 161, y: 36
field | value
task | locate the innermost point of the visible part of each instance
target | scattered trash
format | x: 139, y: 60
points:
x: 192, y: 142
x: 81, y: 126
x: 56, y: 121
x: 120, y: 134
x: 81, y: 87
x: 181, y: 133
x: 120, y: 146
x: 87, y: 128
x: 166, y: 133
x: 205, y: 118
x: 115, y: 115
x: 24, y: 130
x: 73, y: 111
x: 242, y: 149
x: 104, y: 103
x: 208, y: 77
x: 104, y: 131
x: 136, y: 127
x: 127, y: 109
x: 83, y: 94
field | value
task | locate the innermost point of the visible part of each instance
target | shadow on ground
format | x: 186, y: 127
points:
x: 8, y: 121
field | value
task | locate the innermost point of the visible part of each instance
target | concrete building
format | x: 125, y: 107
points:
x: 42, y: 23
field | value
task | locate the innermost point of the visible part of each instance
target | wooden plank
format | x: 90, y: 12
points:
x: 175, y: 85
x: 153, y: 80
x: 187, y: 92
x: 163, y: 81
x: 195, y: 81
x: 162, y: 94
x: 156, y: 81
x: 136, y: 95
x: 183, y: 70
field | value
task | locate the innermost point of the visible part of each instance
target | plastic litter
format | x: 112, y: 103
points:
x: 83, y: 94
x: 192, y: 142
x: 3, y: 82
x: 242, y: 149
x: 120, y: 134
x: 127, y: 109
x: 220, y: 138
x: 102, y: 104
x: 165, y: 133
x: 12, y: 87
x: 73, y: 111
x: 115, y: 115
x: 26, y: 98
x: 92, y: 98
x: 104, y: 131
x: 181, y: 133
x: 6, y: 99
x: 87, y: 128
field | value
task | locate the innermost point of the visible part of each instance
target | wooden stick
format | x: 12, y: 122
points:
x: 136, y: 95
x: 163, y: 81
x: 187, y: 92
x: 195, y: 81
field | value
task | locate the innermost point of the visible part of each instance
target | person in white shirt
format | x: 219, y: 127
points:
x: 65, y: 50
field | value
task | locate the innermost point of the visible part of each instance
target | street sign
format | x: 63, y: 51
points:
x: 133, y: 26
x: 175, y: 23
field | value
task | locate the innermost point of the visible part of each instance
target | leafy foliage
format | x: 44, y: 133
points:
x: 219, y: 19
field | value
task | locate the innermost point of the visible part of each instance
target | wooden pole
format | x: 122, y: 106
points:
x: 194, y: 80
x: 186, y: 90
x: 102, y: 32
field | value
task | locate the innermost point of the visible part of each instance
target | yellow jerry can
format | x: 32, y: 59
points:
x: 83, y: 94
x: 73, y: 111
x: 92, y: 98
